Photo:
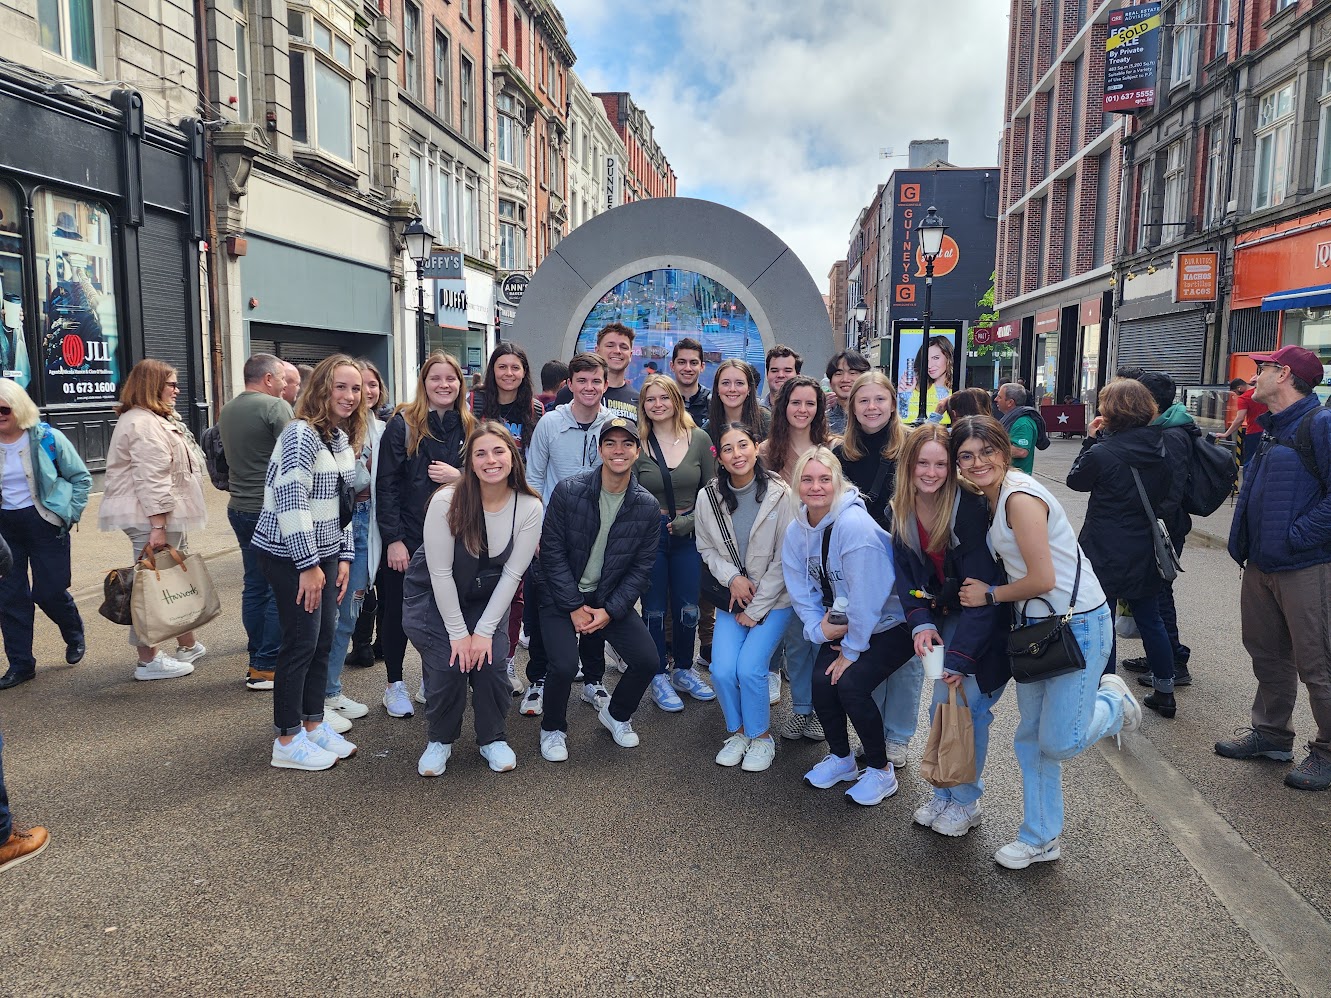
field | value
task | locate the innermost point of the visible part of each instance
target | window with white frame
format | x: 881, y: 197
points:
x: 1275, y: 147
x: 321, y: 84
x: 415, y: 167
x: 1284, y: 5
x: 68, y: 28
x: 242, y: 61
x: 443, y: 76
x: 1215, y: 173
x: 467, y: 98
x: 512, y: 235
x: 376, y: 131
x: 1324, y: 129
x: 472, y: 215
x: 411, y: 48
x: 1185, y: 42
x: 1222, y: 28
x: 510, y: 132
x: 445, y: 220
x: 574, y: 130
x: 1144, y: 227
x: 1175, y: 193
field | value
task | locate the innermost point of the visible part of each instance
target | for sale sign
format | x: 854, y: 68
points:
x: 1131, y: 52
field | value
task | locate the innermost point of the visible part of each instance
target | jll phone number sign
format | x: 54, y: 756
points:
x: 1131, y: 52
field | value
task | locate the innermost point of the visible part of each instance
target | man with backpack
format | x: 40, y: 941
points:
x: 1282, y: 537
x: 1024, y: 424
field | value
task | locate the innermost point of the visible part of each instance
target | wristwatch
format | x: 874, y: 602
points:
x: 989, y: 597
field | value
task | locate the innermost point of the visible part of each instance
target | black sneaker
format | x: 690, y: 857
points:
x: 1249, y: 744
x: 1313, y: 773
x: 1135, y: 665
x: 74, y: 651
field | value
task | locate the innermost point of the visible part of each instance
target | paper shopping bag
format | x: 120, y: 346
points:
x: 949, y: 756
x: 171, y: 599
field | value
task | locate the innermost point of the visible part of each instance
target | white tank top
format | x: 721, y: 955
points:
x: 1063, y: 547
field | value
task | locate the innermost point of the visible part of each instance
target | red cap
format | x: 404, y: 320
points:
x: 1305, y: 364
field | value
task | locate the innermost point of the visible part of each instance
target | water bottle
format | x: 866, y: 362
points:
x: 837, y: 615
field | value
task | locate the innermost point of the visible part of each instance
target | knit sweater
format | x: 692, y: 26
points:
x: 300, y: 498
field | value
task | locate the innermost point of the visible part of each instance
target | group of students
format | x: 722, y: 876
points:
x: 838, y: 558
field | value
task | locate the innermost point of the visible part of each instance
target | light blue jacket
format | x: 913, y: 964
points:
x: 57, y: 476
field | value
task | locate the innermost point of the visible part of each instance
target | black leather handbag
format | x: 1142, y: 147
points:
x: 1046, y: 648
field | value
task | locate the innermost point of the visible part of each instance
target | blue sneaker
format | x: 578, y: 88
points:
x: 664, y: 695
x: 688, y: 681
x: 833, y: 770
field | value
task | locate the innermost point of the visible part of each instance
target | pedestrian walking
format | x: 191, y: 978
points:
x: 154, y: 492
x: 45, y: 486
x: 1047, y: 575
x: 480, y: 536
x: 735, y: 399
x: 306, y: 547
x: 843, y: 371
x: 1024, y: 425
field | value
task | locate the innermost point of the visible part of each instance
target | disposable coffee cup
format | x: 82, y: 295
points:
x: 933, y: 662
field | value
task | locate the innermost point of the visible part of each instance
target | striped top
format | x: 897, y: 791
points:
x: 300, y: 498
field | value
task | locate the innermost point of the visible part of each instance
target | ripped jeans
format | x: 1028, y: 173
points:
x: 358, y: 580
x: 675, y: 582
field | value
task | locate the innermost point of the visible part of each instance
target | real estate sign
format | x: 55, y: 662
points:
x: 1131, y: 52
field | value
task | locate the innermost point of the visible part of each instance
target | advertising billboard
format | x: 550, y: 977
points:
x: 943, y: 367
x: 1131, y: 52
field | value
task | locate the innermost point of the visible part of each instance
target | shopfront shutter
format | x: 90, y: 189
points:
x: 169, y: 331
x: 1253, y: 331
x: 1173, y: 343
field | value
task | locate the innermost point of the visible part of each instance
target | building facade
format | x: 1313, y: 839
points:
x: 646, y: 171
x: 596, y: 157
x: 839, y: 311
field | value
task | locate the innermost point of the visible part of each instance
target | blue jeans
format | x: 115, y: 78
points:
x: 1155, y: 640
x: 799, y: 654
x: 258, y: 609
x: 675, y: 582
x: 1061, y: 718
x: 898, y: 700
x: 348, y: 612
x: 739, y: 668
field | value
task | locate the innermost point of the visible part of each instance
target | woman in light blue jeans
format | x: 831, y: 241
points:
x: 1048, y: 575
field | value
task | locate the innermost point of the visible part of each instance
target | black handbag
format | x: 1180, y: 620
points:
x: 711, y: 588
x: 1047, y: 647
x: 1166, y: 560
x: 346, y: 494
x: 118, y: 594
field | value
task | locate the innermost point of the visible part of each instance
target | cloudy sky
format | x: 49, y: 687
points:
x: 779, y: 107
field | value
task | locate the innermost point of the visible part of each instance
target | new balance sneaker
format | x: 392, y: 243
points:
x: 595, y: 694
x: 420, y: 693
x: 760, y: 753
x: 874, y: 786
x: 162, y: 667
x: 927, y: 813
x: 193, y: 653
x: 259, y: 679
x: 397, y: 701
x: 1132, y: 710
x: 22, y: 846
x: 832, y: 770
x: 773, y: 688
x: 1019, y: 855
x: 345, y: 706
x: 302, y: 753
x: 533, y: 701
x: 732, y: 750
x: 1313, y: 773
x: 688, y: 681
x: 500, y: 756
x: 336, y: 721
x: 554, y: 746
x: 898, y: 753
x: 512, y: 675
x: 434, y: 760
x: 1248, y: 743
x: 621, y: 731
x: 664, y: 695
x: 326, y: 738
x: 957, y: 819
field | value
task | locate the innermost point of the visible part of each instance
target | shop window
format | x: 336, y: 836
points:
x: 512, y: 235
x: 467, y: 98
x: 1175, y: 193
x: 510, y: 132
x: 68, y: 28
x: 1185, y: 42
x: 321, y: 85
x: 1324, y: 129
x: 1275, y: 147
x: 14, y: 359
x: 443, y: 76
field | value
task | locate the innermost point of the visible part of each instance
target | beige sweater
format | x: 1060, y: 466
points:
x: 152, y: 466
x: 762, y: 558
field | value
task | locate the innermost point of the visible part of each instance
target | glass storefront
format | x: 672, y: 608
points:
x: 1088, y: 377
x: 14, y: 361
x: 1046, y: 365
x: 1311, y: 328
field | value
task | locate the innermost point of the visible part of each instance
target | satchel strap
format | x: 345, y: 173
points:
x: 1146, y: 503
x: 659, y: 457
x: 1072, y: 601
x: 824, y: 575
x: 726, y: 538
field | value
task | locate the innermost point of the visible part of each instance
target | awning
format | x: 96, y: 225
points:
x: 1316, y: 297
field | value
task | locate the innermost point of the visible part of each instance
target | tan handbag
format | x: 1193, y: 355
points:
x: 949, y: 756
x: 174, y: 599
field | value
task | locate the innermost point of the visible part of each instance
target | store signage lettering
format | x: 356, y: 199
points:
x: 443, y: 266
x: 1323, y: 255
x: 1196, y: 276
x: 450, y: 289
x: 1131, y: 51
x: 514, y: 287
x: 610, y: 181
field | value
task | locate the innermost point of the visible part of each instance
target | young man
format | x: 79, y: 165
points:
x: 598, y: 548
x: 1019, y: 419
x: 250, y: 425
x: 614, y: 344
x: 842, y: 370
x: 554, y: 376
x: 686, y: 368
x: 783, y: 364
x: 1249, y: 409
x: 564, y: 443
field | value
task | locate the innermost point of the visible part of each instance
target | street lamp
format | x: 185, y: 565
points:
x: 420, y: 241
x: 931, y: 244
x: 861, y: 313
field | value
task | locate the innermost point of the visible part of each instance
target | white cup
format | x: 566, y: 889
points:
x: 933, y: 662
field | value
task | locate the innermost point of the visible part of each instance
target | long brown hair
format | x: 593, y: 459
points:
x: 466, y: 514
x: 144, y: 386
x: 490, y: 396
x: 750, y: 414
x: 315, y: 404
x: 852, y: 444
x: 989, y: 432
x: 906, y: 499
x: 416, y: 413
x: 778, y: 438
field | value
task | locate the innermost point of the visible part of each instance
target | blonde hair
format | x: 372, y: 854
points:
x: 416, y: 413
x: 315, y: 404
x: 852, y: 444
x: 827, y: 459
x: 905, y: 500
x: 25, y: 410
x: 681, y: 423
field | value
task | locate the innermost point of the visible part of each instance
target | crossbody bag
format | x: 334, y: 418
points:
x: 711, y: 588
x: 1166, y: 561
x: 1047, y: 647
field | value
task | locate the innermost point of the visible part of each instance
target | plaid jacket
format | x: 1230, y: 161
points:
x: 300, y: 498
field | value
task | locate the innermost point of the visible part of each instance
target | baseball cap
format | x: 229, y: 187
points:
x: 1305, y: 364
x: 628, y: 426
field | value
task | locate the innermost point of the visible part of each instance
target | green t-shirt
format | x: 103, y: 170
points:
x: 1023, y: 434
x: 611, y: 503
x: 250, y: 425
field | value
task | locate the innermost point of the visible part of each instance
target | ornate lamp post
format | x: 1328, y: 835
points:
x: 420, y: 241
x: 931, y: 244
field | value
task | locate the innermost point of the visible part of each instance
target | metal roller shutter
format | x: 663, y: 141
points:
x: 1174, y: 344
x: 166, y: 321
x: 1252, y: 331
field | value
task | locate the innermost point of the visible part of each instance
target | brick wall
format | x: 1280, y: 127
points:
x: 1030, y: 276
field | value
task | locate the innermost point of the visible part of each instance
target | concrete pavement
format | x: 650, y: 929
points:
x: 182, y: 862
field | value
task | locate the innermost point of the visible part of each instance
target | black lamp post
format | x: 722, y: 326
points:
x: 861, y: 313
x: 931, y: 244
x: 420, y: 241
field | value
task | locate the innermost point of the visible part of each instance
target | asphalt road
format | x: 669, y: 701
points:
x: 182, y: 863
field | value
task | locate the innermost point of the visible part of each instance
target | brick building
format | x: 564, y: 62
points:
x: 596, y: 155
x: 647, y: 172
x: 838, y: 309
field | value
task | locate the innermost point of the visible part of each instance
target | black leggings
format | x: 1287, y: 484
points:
x: 852, y: 696
x: 393, y: 638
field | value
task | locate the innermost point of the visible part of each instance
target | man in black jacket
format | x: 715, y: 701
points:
x: 598, y: 548
x: 686, y: 367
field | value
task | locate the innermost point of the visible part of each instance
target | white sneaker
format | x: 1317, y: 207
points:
x: 397, y: 701
x: 832, y: 770
x: 621, y: 731
x: 326, y: 738
x: 898, y: 753
x: 1132, y: 710
x: 595, y: 694
x: 874, y: 786
x: 434, y: 760
x: 191, y: 654
x: 732, y: 750
x: 554, y: 746
x: 420, y: 693
x: 302, y: 753
x: 512, y: 675
x: 956, y: 819
x: 522, y: 637
x: 533, y: 701
x: 347, y: 707
x: 336, y: 721
x: 162, y: 667
x: 927, y: 813
x: 760, y: 754
x: 613, y: 659
x: 1019, y: 855
x: 500, y: 756
x: 773, y: 688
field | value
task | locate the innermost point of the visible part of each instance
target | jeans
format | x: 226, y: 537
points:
x: 1169, y: 616
x: 898, y: 700
x: 1061, y: 718
x: 45, y: 547
x: 302, y: 664
x: 629, y: 636
x: 258, y: 609
x: 739, y: 668
x: 591, y: 647
x: 852, y: 696
x: 675, y: 581
x: 799, y: 654
x: 6, y: 824
x: 1155, y: 639
x: 358, y: 580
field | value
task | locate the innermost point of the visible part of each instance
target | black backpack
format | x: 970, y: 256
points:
x: 1303, y: 446
x: 218, y: 470
x: 1212, y: 474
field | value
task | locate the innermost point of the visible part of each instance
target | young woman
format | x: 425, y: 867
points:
x: 675, y: 462
x: 306, y: 553
x: 45, y: 485
x: 154, y: 491
x: 938, y: 385
x: 754, y: 514
x: 480, y: 536
x: 378, y: 406
x: 1116, y: 534
x: 1062, y: 716
x: 836, y: 557
x: 735, y: 399
x: 799, y: 423
x: 421, y: 449
x: 941, y: 540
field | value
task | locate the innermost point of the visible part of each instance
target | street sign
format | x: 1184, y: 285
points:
x: 443, y: 266
x: 514, y: 287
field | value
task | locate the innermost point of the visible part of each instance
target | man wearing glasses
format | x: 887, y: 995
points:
x: 1282, y: 537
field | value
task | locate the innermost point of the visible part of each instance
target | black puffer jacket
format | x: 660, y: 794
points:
x: 572, y: 521
x: 403, y: 480
x: 1117, y: 535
